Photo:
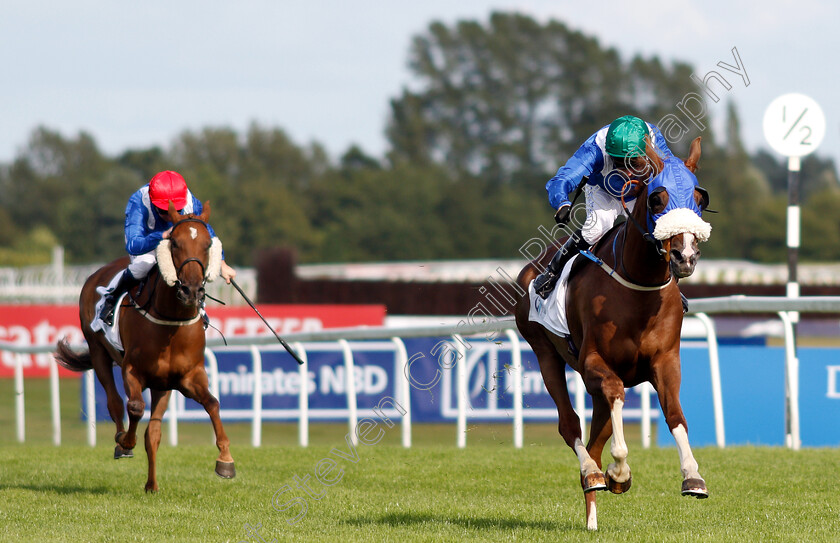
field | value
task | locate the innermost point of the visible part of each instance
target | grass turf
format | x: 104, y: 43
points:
x: 432, y: 492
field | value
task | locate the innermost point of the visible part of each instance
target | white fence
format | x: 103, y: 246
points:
x: 57, y: 283
x: 786, y: 308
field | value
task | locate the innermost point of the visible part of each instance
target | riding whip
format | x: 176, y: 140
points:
x: 282, y: 342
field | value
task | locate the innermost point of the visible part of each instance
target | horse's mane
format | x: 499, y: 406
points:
x: 639, y: 213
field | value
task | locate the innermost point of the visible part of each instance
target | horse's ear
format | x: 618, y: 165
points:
x: 205, y: 211
x: 693, y: 155
x: 173, y: 213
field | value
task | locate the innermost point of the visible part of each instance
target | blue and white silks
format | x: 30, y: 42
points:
x: 592, y: 160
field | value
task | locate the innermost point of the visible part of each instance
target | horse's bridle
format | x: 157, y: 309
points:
x: 191, y: 259
x: 143, y: 310
x: 647, y: 236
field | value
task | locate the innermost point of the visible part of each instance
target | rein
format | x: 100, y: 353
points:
x: 143, y: 310
x: 167, y: 322
x: 647, y: 236
x: 192, y: 259
x: 622, y: 281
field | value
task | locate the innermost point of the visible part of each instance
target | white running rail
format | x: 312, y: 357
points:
x: 702, y: 308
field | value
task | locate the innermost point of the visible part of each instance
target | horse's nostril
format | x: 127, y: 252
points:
x: 676, y: 255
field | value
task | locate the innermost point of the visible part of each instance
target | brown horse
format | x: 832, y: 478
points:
x: 162, y: 336
x: 624, y: 324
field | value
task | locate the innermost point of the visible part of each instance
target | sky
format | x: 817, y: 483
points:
x: 136, y: 74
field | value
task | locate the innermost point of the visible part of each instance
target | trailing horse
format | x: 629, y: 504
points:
x: 624, y: 323
x: 162, y: 337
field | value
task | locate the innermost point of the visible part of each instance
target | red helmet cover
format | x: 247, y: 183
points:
x: 165, y: 186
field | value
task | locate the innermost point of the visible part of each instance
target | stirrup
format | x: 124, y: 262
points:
x: 109, y: 307
x: 545, y: 283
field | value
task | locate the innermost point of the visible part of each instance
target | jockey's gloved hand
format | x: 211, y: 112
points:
x: 563, y: 213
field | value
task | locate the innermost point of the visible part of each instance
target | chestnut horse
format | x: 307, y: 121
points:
x: 162, y: 336
x: 624, y: 324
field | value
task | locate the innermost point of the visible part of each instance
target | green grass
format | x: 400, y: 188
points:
x: 432, y: 492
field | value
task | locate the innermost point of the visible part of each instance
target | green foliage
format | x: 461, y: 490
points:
x: 821, y: 226
x: 740, y: 193
x: 33, y: 248
x: 497, y: 106
x: 65, y: 185
x: 508, y: 98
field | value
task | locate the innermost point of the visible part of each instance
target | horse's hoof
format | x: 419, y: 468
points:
x: 151, y: 488
x: 119, y: 452
x: 695, y: 487
x: 225, y: 470
x: 593, y: 481
x: 618, y: 488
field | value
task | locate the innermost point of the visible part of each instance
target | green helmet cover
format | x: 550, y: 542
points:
x: 626, y: 137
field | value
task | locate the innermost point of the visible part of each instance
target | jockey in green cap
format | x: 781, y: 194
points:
x: 604, y: 163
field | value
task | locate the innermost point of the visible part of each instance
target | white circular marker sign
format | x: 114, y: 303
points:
x: 794, y: 125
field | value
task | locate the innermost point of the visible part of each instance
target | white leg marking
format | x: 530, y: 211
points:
x: 587, y: 464
x: 592, y: 518
x: 688, y: 465
x: 619, y: 470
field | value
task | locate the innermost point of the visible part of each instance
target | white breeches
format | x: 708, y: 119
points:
x: 602, y: 209
x: 141, y: 265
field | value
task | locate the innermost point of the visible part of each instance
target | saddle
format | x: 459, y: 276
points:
x: 111, y: 333
x: 551, y: 312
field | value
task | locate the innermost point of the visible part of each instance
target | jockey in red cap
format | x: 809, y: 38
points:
x: 146, y: 223
x: 166, y: 186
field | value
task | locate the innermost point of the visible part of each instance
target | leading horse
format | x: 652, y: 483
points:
x: 624, y: 318
x: 162, y: 337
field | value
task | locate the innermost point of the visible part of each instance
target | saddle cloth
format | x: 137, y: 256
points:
x: 551, y: 312
x: 112, y: 333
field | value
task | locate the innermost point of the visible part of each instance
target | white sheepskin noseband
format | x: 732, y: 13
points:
x: 681, y: 221
x: 167, y: 267
x: 214, y: 263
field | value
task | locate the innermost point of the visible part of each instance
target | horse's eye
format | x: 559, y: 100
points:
x: 701, y: 197
x: 658, y: 200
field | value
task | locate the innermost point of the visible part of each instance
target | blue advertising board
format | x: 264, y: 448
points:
x: 753, y: 390
x: 752, y: 380
x: 432, y: 372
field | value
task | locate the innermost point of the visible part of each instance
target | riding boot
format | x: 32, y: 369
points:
x: 126, y: 283
x: 544, y: 283
x: 684, y: 301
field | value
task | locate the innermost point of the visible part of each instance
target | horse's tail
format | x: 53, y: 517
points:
x: 71, y: 360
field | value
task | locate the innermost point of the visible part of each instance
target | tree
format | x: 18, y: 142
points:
x: 821, y: 226
x: 255, y: 184
x: 741, y: 195
x: 68, y: 187
x: 496, y: 107
x: 512, y: 98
